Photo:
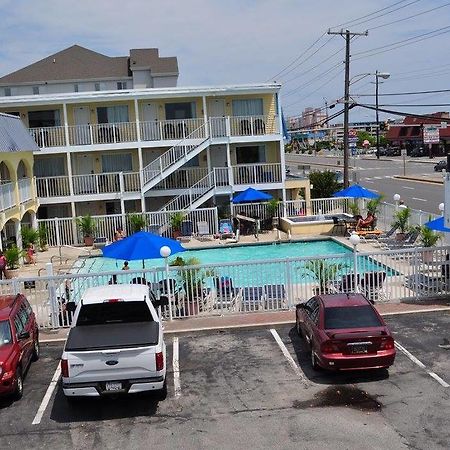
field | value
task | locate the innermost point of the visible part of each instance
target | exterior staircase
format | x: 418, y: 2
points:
x: 174, y: 158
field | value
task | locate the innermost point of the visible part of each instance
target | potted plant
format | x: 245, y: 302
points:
x: 354, y: 208
x: 272, y: 211
x: 29, y: 236
x: 176, y: 219
x: 373, y: 206
x: 86, y: 224
x: 13, y: 255
x: 192, y: 280
x: 137, y: 222
x: 401, y: 219
x: 43, y: 237
x: 323, y: 272
x: 428, y: 238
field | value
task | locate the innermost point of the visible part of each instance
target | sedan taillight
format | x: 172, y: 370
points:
x: 159, y: 359
x: 328, y: 347
x: 387, y: 343
x: 65, y: 368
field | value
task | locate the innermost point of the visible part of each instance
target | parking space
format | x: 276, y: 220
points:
x: 229, y: 389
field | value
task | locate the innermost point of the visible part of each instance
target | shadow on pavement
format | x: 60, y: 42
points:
x: 303, y: 354
x: 105, y: 408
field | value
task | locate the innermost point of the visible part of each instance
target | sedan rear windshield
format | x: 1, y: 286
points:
x: 5, y: 333
x: 117, y: 312
x: 351, y: 317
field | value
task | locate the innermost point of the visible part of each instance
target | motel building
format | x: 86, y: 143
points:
x: 115, y: 135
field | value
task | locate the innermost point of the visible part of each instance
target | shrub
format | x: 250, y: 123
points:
x: 87, y: 225
x: 29, y: 236
x: 324, y: 184
x: 13, y: 255
x: 428, y: 237
x: 401, y: 218
x: 137, y: 222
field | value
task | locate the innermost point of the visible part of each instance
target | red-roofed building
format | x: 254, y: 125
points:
x: 409, y: 134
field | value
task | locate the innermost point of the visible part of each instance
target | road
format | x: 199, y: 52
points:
x: 378, y: 175
x: 252, y: 387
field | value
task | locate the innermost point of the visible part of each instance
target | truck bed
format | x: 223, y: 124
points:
x: 111, y: 336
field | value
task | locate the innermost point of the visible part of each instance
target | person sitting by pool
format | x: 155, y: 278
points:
x: 125, y: 266
x: 119, y: 234
x: 367, y: 222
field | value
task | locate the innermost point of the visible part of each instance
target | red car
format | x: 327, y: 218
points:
x: 345, y: 332
x: 19, y: 343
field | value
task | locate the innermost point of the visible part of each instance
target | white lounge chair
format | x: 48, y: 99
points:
x: 203, y: 232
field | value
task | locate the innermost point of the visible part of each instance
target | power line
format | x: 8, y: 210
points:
x: 388, y: 94
x: 409, y: 17
x: 404, y: 42
x: 436, y: 105
x: 400, y: 113
x: 370, y: 14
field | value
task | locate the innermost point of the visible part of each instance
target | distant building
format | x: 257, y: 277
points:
x: 409, y: 133
x: 78, y: 69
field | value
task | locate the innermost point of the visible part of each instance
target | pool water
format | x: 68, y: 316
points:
x: 244, y: 253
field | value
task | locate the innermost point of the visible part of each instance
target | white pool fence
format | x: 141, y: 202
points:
x: 227, y: 288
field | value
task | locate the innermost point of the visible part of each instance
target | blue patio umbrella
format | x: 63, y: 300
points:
x: 356, y: 191
x: 251, y: 195
x: 437, y: 225
x: 141, y: 245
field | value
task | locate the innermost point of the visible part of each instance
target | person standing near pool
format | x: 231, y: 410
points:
x: 2, y: 265
x: 125, y: 266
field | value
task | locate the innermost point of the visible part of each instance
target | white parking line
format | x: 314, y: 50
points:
x: 419, y: 199
x: 367, y: 181
x: 48, y: 394
x: 408, y: 187
x: 288, y: 356
x: 422, y: 365
x: 176, y: 368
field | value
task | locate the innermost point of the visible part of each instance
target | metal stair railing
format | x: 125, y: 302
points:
x: 175, y: 154
x: 194, y: 193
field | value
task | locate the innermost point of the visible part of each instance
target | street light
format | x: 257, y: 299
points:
x: 396, y: 198
x: 165, y: 252
x: 385, y: 76
x: 442, y: 208
x: 355, y: 240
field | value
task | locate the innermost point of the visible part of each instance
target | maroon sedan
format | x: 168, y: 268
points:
x: 345, y: 332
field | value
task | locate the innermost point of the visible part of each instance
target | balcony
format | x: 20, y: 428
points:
x: 7, y: 196
x: 25, y: 190
x: 154, y: 131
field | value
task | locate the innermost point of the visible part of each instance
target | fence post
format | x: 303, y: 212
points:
x: 52, y: 295
x: 289, y: 292
x: 57, y: 232
x: 15, y: 286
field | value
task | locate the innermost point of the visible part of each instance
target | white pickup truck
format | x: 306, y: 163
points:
x: 115, y: 345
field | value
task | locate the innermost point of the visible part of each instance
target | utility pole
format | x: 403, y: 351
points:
x: 347, y: 35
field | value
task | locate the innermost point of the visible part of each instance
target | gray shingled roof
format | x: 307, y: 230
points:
x: 79, y: 63
x: 14, y: 136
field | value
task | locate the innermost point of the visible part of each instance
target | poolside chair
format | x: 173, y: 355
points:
x: 423, y: 284
x: 203, y: 232
x: 275, y: 296
x: 409, y: 241
x: 186, y: 231
x: 252, y: 297
x: 339, y: 225
x: 225, y: 229
x: 155, y: 229
x: 371, y: 286
x: 346, y: 284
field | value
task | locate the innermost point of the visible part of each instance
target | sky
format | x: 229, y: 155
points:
x: 221, y: 42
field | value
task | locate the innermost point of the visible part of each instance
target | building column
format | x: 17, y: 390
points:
x: 18, y: 232
x: 205, y: 116
x: 140, y: 159
x: 230, y: 170
x: 282, y: 155
x: 66, y: 124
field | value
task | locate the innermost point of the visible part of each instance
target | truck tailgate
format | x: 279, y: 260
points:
x: 112, y: 336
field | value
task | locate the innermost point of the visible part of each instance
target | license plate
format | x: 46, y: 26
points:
x: 113, y: 386
x: 359, y: 349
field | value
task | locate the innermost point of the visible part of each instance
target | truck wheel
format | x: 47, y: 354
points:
x: 36, y: 350
x: 161, y: 394
x: 18, y: 389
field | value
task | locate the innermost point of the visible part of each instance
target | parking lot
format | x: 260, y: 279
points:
x: 252, y: 387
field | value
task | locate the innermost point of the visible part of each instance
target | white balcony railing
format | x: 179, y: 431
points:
x: 257, y: 173
x: 157, y: 130
x: 7, y: 199
x: 25, y: 189
x: 56, y: 186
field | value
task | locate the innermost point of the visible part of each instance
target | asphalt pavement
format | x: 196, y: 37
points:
x: 255, y: 387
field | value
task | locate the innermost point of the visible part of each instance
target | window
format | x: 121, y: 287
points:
x: 118, y: 312
x: 97, y: 86
x: 121, y: 85
x: 5, y: 333
x: 18, y: 325
x: 23, y: 314
x: 35, y: 90
x: 75, y: 88
x: 184, y: 110
x: 49, y: 167
x: 251, y: 154
x: 117, y: 163
x: 49, y: 118
x: 112, y: 114
x: 250, y: 107
x: 7, y: 92
x: 351, y: 317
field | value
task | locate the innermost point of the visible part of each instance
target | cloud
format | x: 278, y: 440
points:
x: 233, y: 41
